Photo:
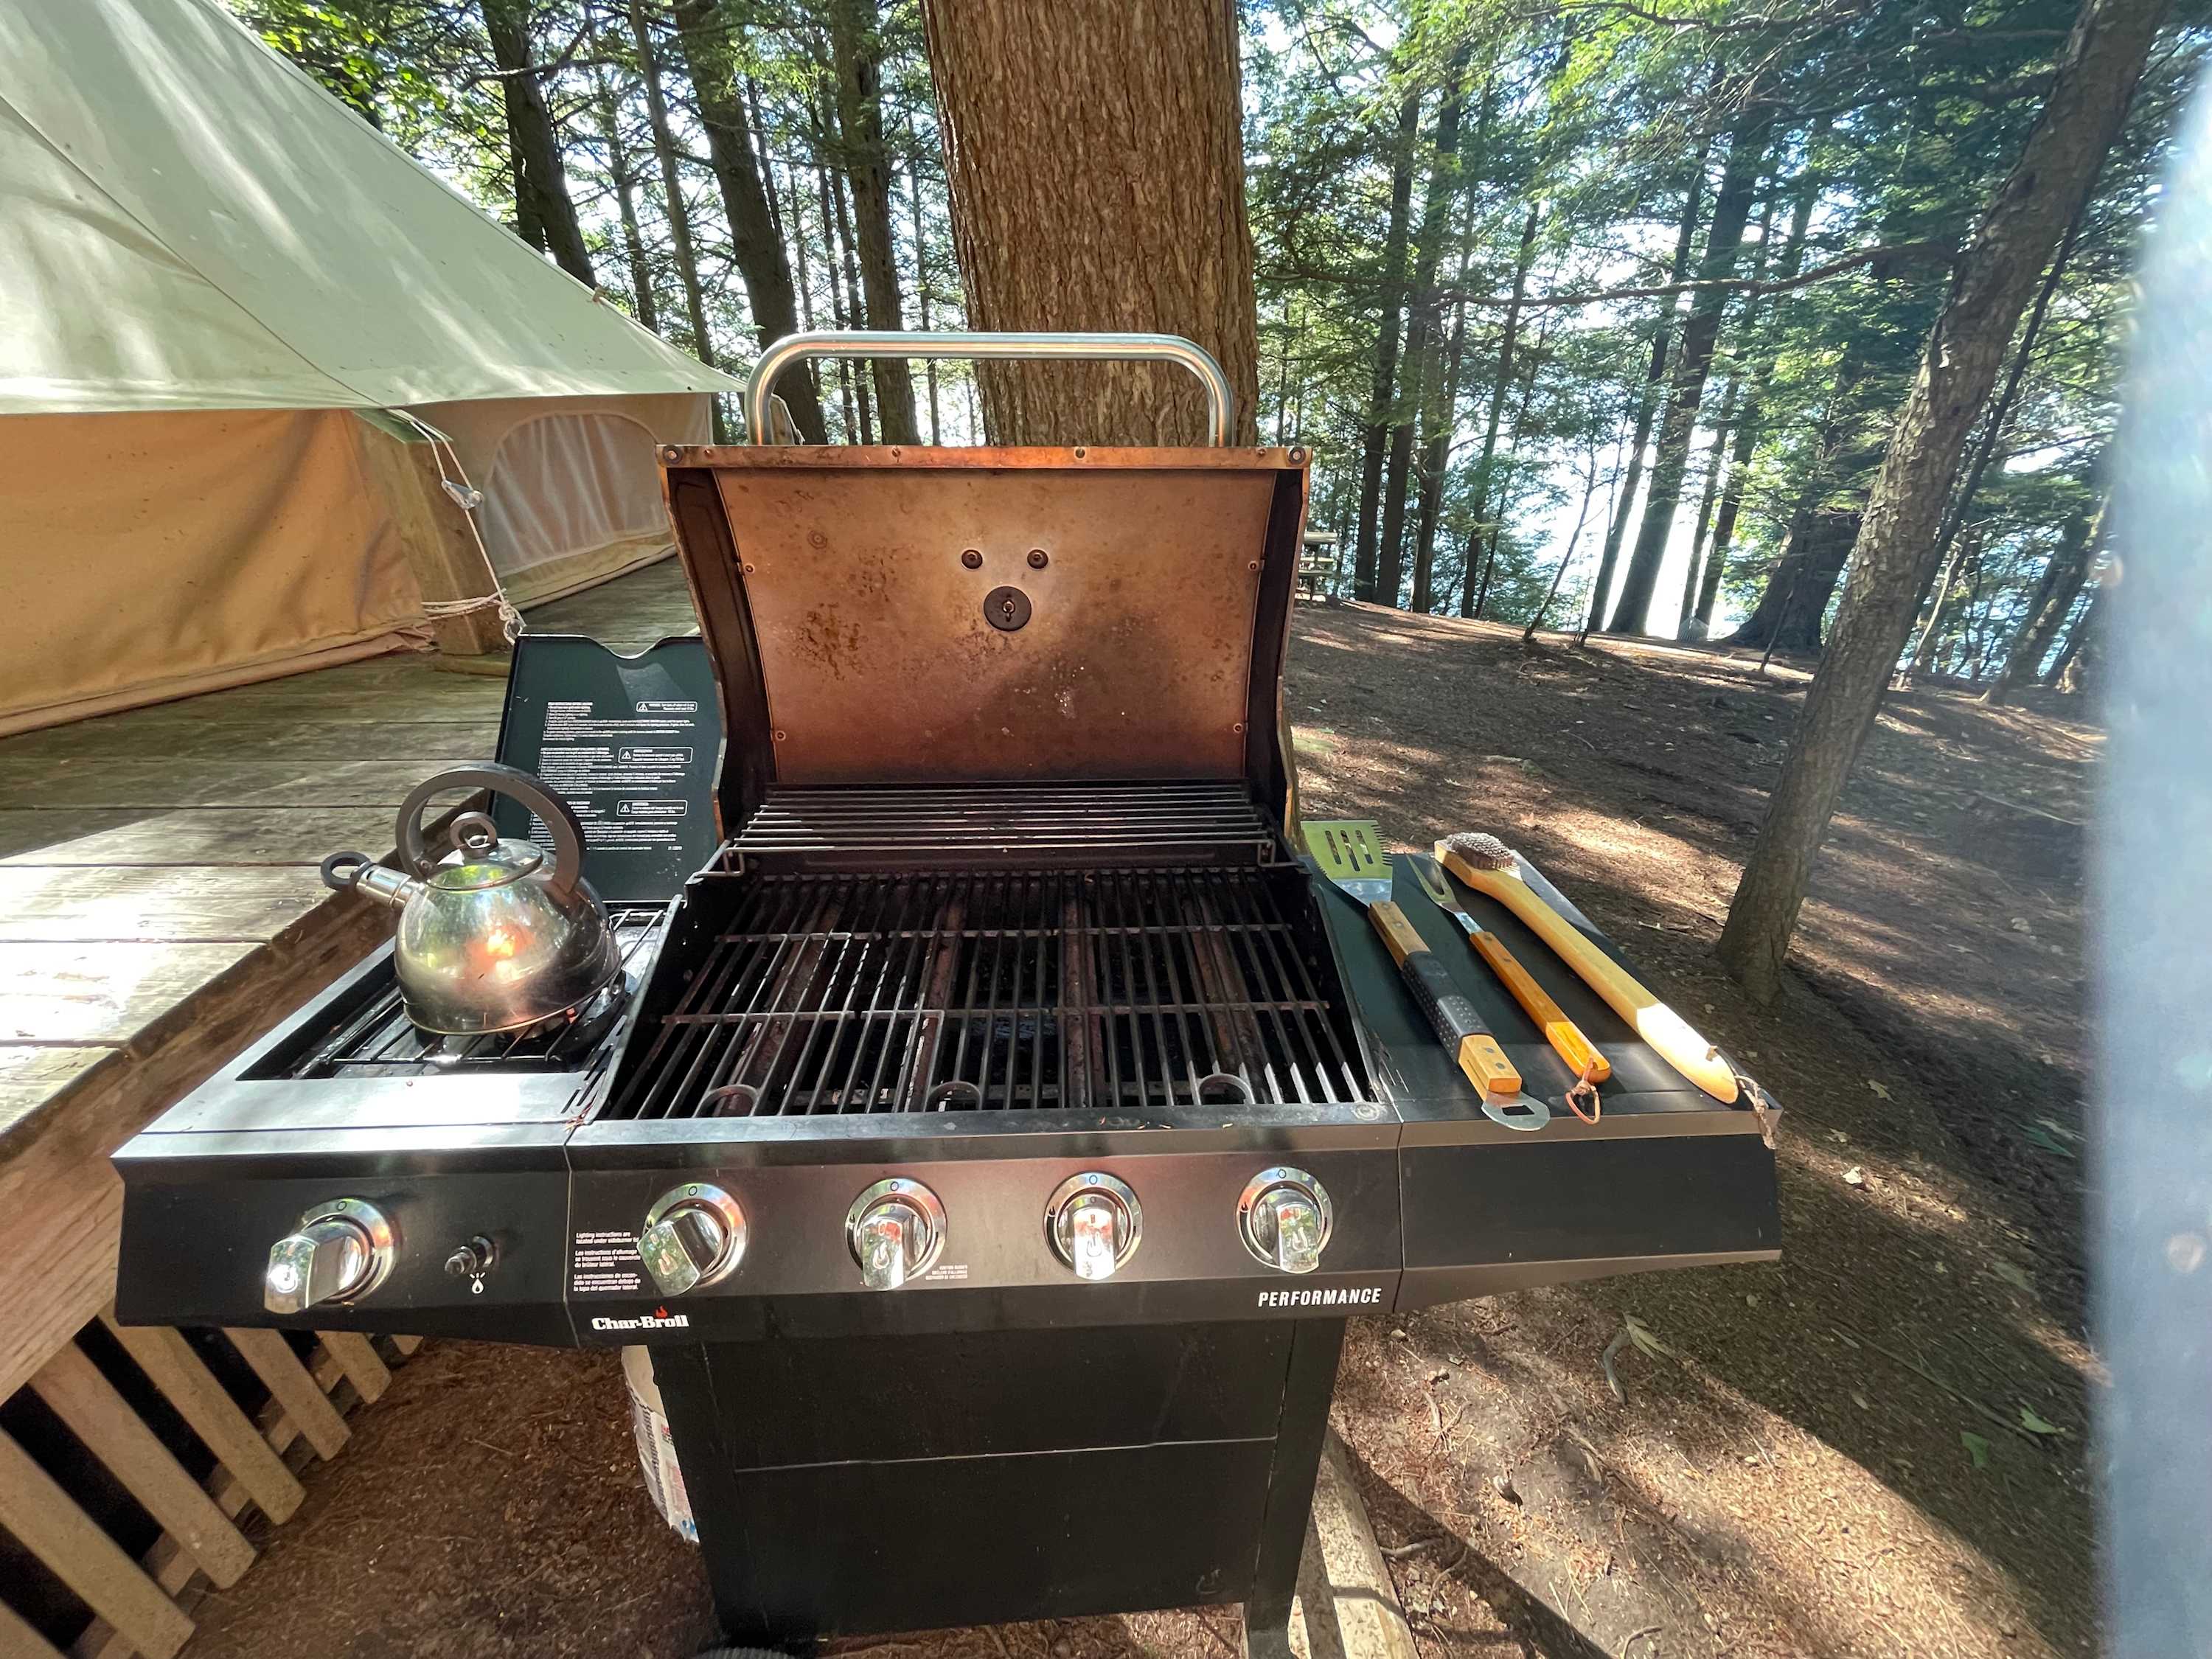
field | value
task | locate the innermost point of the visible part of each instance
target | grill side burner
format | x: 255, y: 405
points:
x: 1157, y: 992
x: 369, y: 1035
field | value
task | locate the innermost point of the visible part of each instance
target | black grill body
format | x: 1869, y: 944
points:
x: 994, y: 911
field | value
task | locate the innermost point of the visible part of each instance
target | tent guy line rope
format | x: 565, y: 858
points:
x: 469, y: 498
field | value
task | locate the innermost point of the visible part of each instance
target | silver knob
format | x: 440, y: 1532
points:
x: 895, y: 1230
x: 343, y: 1249
x: 1285, y: 1218
x: 694, y: 1235
x: 1095, y: 1224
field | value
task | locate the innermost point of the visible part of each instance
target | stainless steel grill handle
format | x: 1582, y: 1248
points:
x: 1039, y: 348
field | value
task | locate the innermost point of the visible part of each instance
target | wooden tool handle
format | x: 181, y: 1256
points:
x: 1449, y: 1012
x: 1565, y: 1037
x: 1666, y: 1031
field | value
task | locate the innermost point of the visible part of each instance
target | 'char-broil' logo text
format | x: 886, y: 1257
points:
x: 659, y: 1320
x: 1335, y: 1295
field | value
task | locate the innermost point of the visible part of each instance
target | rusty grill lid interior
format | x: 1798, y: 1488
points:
x: 992, y: 615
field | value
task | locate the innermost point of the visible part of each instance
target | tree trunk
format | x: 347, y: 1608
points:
x: 1504, y: 500
x: 1731, y: 212
x: 1440, y: 409
x: 1391, y: 325
x: 846, y: 260
x: 1655, y: 378
x: 1095, y: 157
x: 922, y: 289
x: 1747, y: 421
x: 1420, y: 325
x: 672, y: 185
x: 841, y: 367
x: 1437, y: 423
x: 1689, y: 627
x: 856, y: 56
x: 544, y: 213
x: 1473, y: 594
x: 1829, y: 439
x: 625, y: 182
x: 1989, y: 287
x: 2076, y: 663
x: 763, y: 158
x: 702, y: 31
x: 1788, y: 618
x: 1963, y: 549
x: 1992, y: 435
x: 1559, y: 570
x: 2053, y: 602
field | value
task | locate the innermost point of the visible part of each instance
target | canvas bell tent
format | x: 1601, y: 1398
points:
x: 232, y: 313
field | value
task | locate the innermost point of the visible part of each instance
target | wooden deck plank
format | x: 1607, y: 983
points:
x: 293, y: 1385
x: 30, y: 1075
x: 48, y: 1523
x: 166, y: 784
x: 33, y: 888
x: 102, y: 993
x: 206, y: 1405
x: 189, y: 836
x: 88, y: 919
x: 88, y: 1406
x: 19, y: 1641
x: 329, y: 737
x: 357, y: 1357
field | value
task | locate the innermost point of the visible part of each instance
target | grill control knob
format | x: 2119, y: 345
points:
x: 343, y: 1250
x: 694, y: 1235
x: 1095, y: 1223
x: 1284, y: 1218
x: 897, y: 1232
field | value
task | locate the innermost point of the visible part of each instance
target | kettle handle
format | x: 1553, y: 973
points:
x: 516, y: 785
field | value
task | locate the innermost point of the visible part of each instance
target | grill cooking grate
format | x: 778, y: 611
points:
x: 1159, y: 990
x: 374, y: 1037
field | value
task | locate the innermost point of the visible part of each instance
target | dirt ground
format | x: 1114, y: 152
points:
x: 1876, y: 1447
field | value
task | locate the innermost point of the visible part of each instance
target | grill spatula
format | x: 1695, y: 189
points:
x: 1349, y: 854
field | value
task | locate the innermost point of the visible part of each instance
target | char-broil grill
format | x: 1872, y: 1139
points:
x: 1007, y: 1120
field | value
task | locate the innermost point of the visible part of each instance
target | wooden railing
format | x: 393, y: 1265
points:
x: 144, y: 1605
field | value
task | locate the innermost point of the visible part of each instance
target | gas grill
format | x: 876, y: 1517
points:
x: 993, y: 1136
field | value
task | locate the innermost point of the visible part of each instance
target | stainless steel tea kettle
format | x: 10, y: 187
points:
x: 490, y: 939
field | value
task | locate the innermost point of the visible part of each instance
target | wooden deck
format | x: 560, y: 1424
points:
x: 158, y: 868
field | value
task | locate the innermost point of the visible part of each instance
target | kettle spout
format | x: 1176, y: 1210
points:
x: 360, y: 873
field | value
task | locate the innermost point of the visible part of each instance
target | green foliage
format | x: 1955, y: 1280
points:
x: 1899, y: 120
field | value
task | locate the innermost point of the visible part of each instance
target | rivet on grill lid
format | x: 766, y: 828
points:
x: 1037, y: 560
x: 972, y: 558
x: 779, y: 737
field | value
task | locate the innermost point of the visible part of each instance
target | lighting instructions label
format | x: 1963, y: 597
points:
x: 628, y: 791
x: 606, y: 1264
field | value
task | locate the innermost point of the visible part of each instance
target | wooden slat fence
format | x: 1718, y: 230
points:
x: 208, y: 1524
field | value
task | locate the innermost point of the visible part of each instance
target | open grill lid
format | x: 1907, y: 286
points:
x: 882, y: 615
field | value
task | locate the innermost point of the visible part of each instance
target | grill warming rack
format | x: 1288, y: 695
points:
x: 1169, y: 993
x: 1201, y: 820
